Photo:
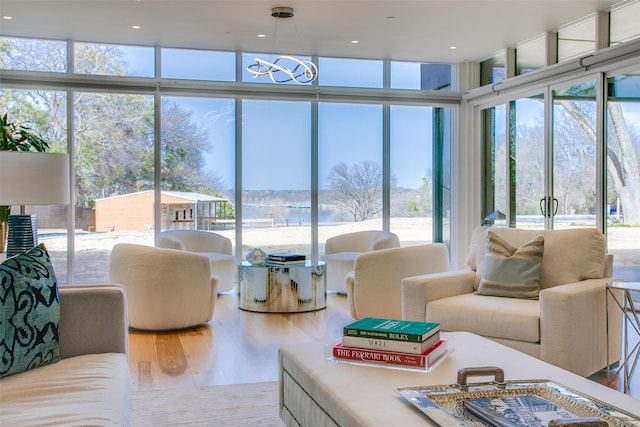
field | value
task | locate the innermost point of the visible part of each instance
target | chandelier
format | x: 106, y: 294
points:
x: 284, y: 68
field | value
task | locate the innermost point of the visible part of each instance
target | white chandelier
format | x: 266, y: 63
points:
x: 284, y: 68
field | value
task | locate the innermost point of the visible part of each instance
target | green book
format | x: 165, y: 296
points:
x: 389, y: 329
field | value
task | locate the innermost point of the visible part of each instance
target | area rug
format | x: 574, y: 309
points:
x: 254, y: 404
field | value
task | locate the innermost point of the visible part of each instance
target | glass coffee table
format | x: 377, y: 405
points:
x: 269, y: 288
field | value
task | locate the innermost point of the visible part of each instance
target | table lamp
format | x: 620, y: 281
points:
x: 31, y: 178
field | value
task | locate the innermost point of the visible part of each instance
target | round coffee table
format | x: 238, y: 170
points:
x: 269, y: 288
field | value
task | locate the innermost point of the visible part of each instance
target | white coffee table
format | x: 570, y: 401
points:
x: 318, y: 392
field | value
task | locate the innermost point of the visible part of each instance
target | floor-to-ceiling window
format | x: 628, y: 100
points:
x: 45, y: 112
x: 198, y: 164
x: 349, y: 168
x: 276, y: 177
x: 167, y: 138
x: 114, y: 177
x: 623, y: 172
x: 412, y: 173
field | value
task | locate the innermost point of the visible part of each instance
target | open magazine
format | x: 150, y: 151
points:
x: 521, y: 411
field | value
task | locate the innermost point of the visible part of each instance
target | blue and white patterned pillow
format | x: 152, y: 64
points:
x: 29, y: 312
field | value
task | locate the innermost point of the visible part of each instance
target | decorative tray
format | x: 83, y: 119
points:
x: 450, y: 405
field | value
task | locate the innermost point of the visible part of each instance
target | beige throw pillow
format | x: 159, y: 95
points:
x: 509, y: 271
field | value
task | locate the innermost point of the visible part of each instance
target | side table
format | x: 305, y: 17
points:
x: 630, y: 351
x: 269, y: 288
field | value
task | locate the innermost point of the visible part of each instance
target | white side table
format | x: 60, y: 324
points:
x: 630, y: 352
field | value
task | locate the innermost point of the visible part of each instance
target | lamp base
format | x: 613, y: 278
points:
x: 22, y: 235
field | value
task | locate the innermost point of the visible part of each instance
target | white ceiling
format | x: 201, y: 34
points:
x: 419, y: 30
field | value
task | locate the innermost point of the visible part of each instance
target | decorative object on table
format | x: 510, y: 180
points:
x: 30, y: 178
x: 284, y: 68
x: 256, y: 256
x: 286, y: 259
x: 445, y: 404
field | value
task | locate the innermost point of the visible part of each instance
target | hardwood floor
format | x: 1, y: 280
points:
x: 235, y: 347
x: 242, y: 347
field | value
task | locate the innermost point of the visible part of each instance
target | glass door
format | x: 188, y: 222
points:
x: 573, y: 202
x: 539, y: 178
x: 526, y: 162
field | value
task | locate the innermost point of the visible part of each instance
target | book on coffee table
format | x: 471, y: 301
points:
x: 391, y: 329
x: 391, y: 345
x: 391, y: 358
x: 285, y: 259
x: 517, y: 411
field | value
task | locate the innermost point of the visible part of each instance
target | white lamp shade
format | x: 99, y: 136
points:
x: 33, y: 178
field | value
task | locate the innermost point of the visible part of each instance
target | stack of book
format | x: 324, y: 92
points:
x: 391, y: 342
x: 285, y: 259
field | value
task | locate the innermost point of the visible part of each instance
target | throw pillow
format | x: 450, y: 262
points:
x: 509, y: 271
x: 29, y: 312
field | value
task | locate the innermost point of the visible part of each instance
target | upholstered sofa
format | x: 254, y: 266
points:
x: 565, y: 326
x: 214, y: 246
x: 91, y: 384
x: 340, y: 253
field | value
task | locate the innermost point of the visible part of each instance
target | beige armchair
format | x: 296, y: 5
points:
x: 565, y: 326
x: 373, y: 288
x: 340, y: 253
x: 216, y: 247
x: 166, y: 288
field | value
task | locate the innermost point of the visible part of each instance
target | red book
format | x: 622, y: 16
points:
x: 424, y: 360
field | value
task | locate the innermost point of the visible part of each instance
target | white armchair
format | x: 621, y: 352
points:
x: 166, y: 288
x: 340, y: 253
x: 216, y: 247
x: 374, y: 287
x: 566, y: 326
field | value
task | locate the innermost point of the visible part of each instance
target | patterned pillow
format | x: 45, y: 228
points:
x: 509, y: 271
x: 29, y: 312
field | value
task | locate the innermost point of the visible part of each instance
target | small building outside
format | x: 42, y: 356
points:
x: 180, y: 210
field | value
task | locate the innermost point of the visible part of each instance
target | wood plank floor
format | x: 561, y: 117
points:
x: 242, y: 347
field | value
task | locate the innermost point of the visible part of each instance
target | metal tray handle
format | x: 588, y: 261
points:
x: 480, y: 371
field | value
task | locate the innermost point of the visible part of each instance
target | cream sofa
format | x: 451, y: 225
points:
x: 214, y: 246
x: 91, y: 384
x: 340, y: 253
x: 566, y: 326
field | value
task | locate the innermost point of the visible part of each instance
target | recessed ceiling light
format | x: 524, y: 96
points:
x: 355, y: 41
x: 453, y: 47
x: 136, y: 27
x: 7, y: 17
x: 261, y: 36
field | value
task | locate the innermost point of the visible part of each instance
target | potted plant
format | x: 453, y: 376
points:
x: 16, y: 137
